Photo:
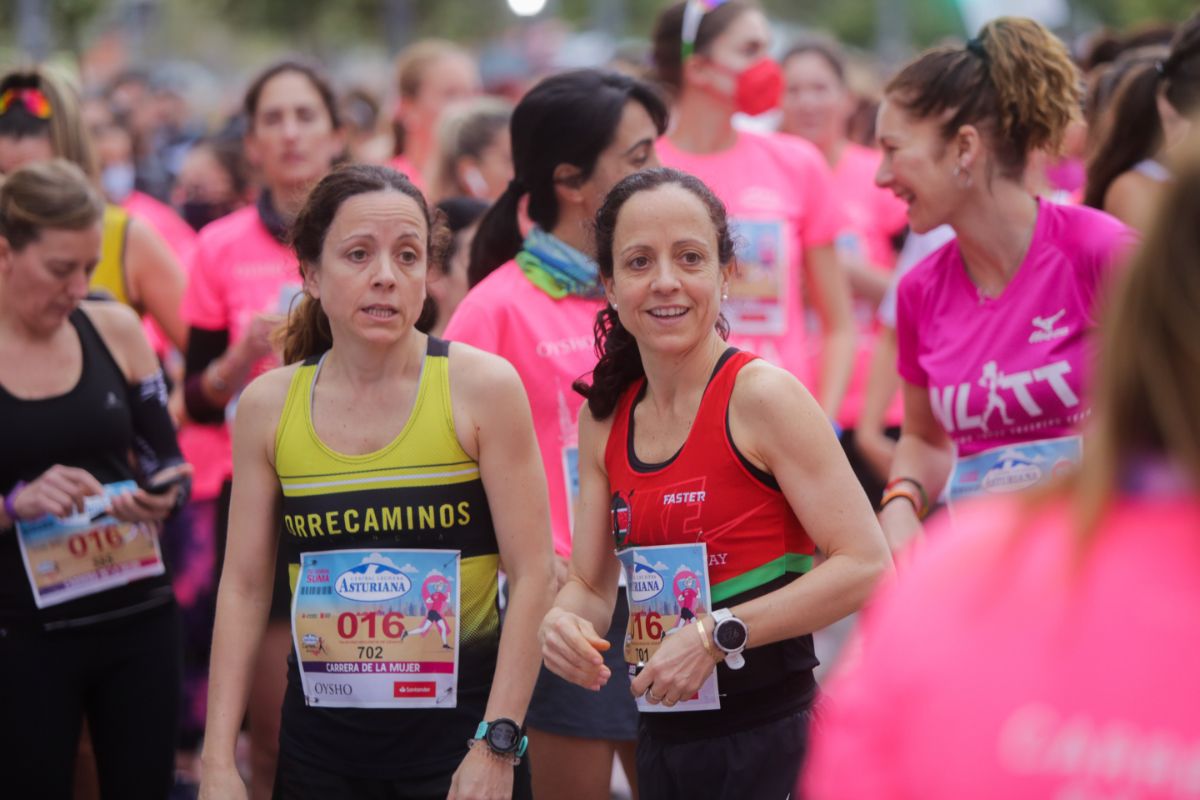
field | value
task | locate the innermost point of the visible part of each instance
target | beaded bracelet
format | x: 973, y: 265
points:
x: 896, y: 494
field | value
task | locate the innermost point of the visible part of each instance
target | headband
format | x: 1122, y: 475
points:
x: 975, y: 45
x: 693, y: 15
x: 34, y: 101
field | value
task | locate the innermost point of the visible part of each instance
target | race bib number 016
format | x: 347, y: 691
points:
x: 87, y: 553
x: 378, y: 628
x: 667, y: 587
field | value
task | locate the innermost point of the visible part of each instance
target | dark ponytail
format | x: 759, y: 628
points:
x: 569, y: 118
x: 307, y: 332
x: 620, y: 360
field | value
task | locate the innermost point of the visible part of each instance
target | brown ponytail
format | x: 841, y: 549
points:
x: 1015, y: 82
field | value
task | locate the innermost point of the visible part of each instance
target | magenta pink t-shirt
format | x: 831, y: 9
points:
x: 873, y: 216
x: 237, y: 271
x: 1012, y: 661
x: 551, y: 345
x: 777, y: 190
x: 1010, y: 369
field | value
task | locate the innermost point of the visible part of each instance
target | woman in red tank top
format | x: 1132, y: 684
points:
x: 687, y: 441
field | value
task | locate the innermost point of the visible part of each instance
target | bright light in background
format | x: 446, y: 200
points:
x: 526, y: 8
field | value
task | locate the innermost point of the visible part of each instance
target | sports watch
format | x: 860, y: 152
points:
x: 503, y: 737
x: 730, y: 635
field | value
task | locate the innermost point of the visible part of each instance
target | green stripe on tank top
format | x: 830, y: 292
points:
x: 792, y: 562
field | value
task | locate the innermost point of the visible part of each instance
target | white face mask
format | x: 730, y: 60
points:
x: 117, y: 181
x: 476, y: 185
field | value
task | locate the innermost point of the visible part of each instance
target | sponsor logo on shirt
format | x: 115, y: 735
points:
x: 1044, y: 330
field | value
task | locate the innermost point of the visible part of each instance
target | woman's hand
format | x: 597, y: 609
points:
x: 678, y: 668
x: 572, y: 649
x: 143, y: 506
x: 222, y: 783
x: 481, y: 776
x: 60, y: 491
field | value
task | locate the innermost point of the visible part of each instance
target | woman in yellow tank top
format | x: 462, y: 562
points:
x: 39, y: 120
x: 404, y: 469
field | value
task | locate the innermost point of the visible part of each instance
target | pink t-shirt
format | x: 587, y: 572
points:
x: 1010, y: 369
x: 407, y: 168
x: 776, y: 189
x: 179, y: 237
x: 237, y: 271
x: 1010, y: 661
x: 551, y: 345
x: 873, y: 217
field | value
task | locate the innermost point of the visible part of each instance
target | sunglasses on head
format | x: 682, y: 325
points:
x: 33, y: 100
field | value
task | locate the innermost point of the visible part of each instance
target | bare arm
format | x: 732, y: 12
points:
x: 495, y: 427
x: 780, y: 428
x: 490, y: 399
x: 572, y: 633
x: 1132, y: 199
x: 924, y: 453
x: 156, y: 280
x: 244, y: 597
x: 831, y: 299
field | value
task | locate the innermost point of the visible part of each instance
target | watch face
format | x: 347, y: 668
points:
x: 730, y: 635
x: 503, y: 736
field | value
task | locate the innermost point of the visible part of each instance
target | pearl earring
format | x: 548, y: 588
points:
x: 613, y: 304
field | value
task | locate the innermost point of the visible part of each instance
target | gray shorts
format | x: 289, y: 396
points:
x: 565, y: 709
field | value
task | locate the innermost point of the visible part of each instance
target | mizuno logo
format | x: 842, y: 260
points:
x: 1045, y: 328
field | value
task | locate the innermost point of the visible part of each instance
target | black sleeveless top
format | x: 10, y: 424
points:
x: 89, y: 427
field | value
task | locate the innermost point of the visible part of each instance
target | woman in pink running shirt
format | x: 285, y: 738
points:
x: 777, y: 189
x: 534, y: 301
x: 1069, y: 672
x: 994, y: 327
x: 240, y: 285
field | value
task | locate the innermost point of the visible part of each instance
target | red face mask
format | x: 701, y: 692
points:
x: 759, y: 87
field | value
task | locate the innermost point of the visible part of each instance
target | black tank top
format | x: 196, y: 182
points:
x: 89, y: 427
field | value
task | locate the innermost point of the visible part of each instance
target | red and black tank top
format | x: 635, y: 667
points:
x: 710, y: 492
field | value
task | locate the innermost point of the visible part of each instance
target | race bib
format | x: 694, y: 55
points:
x: 88, y: 552
x: 1013, y: 468
x: 667, y: 587
x: 758, y: 290
x: 378, y: 628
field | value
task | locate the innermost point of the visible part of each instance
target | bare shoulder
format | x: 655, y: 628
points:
x: 121, y: 329
x: 761, y: 386
x: 265, y: 396
x: 1129, y: 196
x: 479, y: 373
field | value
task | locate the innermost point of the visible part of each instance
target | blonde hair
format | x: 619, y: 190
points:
x: 1015, y: 81
x: 1147, y: 384
x: 53, y: 195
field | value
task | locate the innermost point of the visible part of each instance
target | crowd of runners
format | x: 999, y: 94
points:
x: 471, y: 450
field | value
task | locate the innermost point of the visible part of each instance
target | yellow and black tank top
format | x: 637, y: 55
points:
x: 420, y: 491
x: 109, y: 277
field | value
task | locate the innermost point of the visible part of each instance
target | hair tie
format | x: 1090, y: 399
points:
x: 975, y: 45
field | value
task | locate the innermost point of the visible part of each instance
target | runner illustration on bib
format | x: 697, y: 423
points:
x: 687, y: 595
x: 435, y: 595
